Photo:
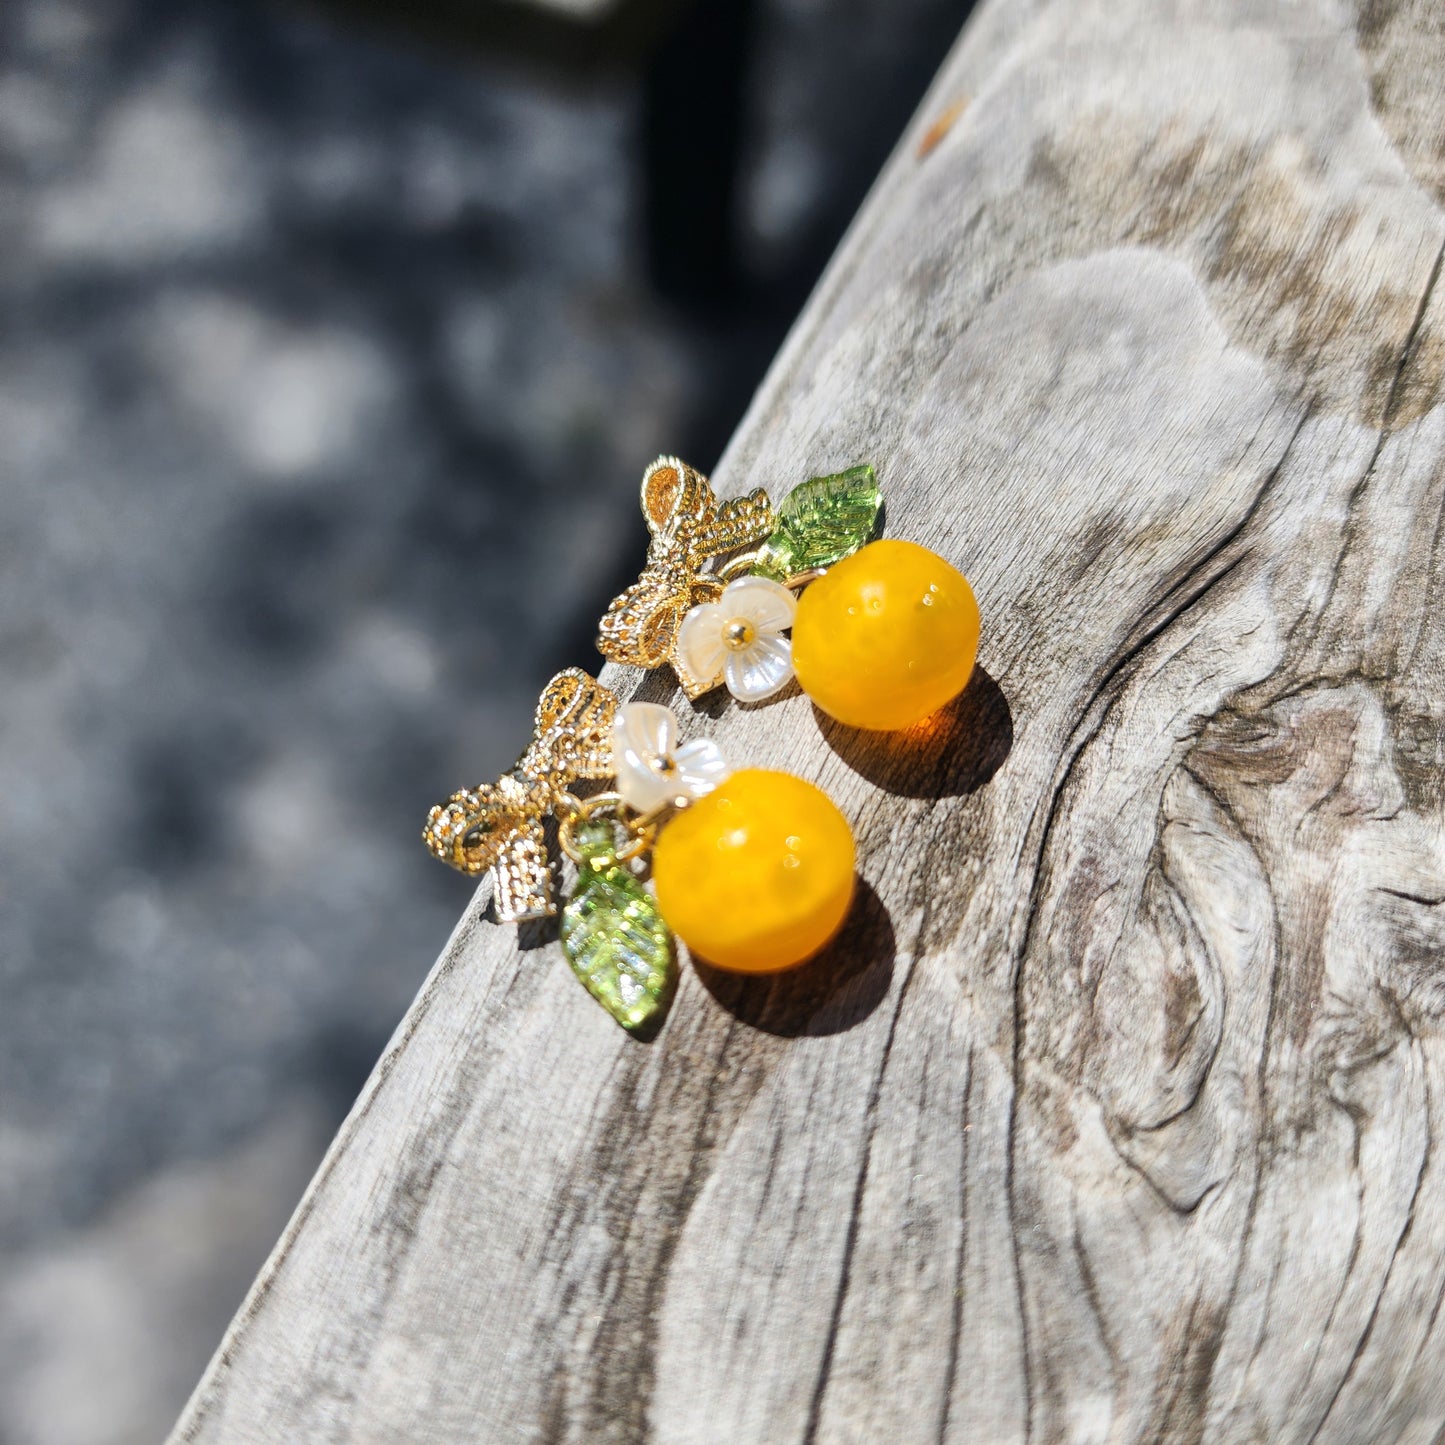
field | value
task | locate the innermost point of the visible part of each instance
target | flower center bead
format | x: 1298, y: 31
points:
x: 739, y: 633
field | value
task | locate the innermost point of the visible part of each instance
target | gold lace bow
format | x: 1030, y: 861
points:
x: 499, y: 825
x: 689, y: 526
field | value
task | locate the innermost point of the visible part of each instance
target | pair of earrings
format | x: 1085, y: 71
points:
x: 753, y: 869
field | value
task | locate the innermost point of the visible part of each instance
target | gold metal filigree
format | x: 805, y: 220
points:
x: 689, y: 526
x: 499, y: 825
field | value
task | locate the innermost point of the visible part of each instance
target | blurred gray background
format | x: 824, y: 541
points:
x: 333, y: 341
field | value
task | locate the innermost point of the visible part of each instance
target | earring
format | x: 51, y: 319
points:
x: 883, y: 633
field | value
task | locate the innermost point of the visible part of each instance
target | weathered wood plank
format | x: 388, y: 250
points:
x: 1119, y: 1113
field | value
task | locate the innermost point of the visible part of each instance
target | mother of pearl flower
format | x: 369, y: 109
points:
x: 652, y: 770
x: 739, y: 639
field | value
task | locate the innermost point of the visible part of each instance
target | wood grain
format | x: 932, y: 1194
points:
x: 1117, y: 1112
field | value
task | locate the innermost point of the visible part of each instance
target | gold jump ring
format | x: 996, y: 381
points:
x: 602, y: 803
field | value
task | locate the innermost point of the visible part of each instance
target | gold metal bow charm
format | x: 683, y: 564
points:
x: 689, y: 526
x: 499, y: 825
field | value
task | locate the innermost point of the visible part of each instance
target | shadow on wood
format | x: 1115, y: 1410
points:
x: 956, y: 751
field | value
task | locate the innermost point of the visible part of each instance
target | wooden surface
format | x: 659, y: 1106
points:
x: 1117, y: 1114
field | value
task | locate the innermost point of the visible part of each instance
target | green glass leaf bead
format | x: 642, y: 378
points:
x: 613, y: 935
x: 821, y: 521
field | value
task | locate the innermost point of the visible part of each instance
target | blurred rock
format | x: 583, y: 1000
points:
x: 326, y: 378
x: 324, y: 388
x: 105, y: 1328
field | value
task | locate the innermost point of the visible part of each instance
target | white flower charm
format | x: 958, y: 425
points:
x: 739, y: 639
x: 652, y: 770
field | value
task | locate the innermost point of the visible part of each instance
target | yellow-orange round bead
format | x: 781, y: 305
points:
x: 757, y: 875
x: 886, y: 637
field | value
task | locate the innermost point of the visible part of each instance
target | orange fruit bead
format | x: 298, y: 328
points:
x: 757, y: 875
x: 886, y: 636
